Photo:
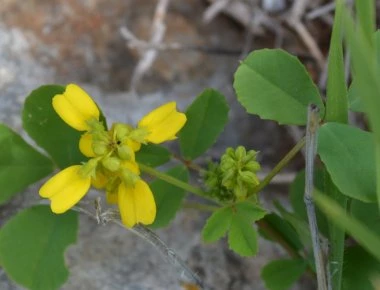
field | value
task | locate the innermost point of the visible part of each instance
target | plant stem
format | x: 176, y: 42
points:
x: 172, y: 180
x: 310, y: 153
x: 200, y: 206
x: 284, y: 161
x: 189, y: 164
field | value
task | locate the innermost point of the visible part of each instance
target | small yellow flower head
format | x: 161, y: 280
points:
x: 76, y: 108
x: 66, y: 188
x: 112, y: 165
x: 136, y: 204
x: 163, y: 123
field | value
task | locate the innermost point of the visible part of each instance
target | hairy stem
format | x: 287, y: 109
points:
x: 310, y: 153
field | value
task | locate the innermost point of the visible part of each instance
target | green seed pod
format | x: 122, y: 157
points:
x: 252, y: 166
x: 247, y: 177
x: 111, y: 163
x: 240, y: 153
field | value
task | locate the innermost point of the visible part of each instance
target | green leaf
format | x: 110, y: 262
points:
x: 348, y: 154
x: 237, y: 219
x: 301, y: 226
x: 281, y: 226
x: 217, y: 225
x: 32, y: 245
x: 276, y: 86
x: 168, y: 197
x: 251, y: 212
x: 366, y: 213
x: 242, y: 237
x: 366, y: 73
x: 360, y: 232
x: 20, y: 164
x: 355, y: 102
x: 366, y: 11
x: 152, y: 155
x: 206, y: 118
x: 336, y: 104
x: 358, y: 269
x: 282, y: 274
x: 49, y: 131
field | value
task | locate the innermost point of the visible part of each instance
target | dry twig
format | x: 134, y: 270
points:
x: 149, y: 55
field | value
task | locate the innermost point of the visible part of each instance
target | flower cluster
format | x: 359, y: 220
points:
x: 235, y: 176
x: 111, y: 165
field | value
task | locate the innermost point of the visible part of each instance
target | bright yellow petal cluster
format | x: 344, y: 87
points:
x: 163, y: 123
x: 112, y: 165
x: 75, y: 107
x: 65, y: 188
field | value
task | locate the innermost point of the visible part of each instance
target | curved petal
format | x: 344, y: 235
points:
x: 157, y: 115
x: 163, y: 123
x: 70, y: 195
x: 100, y: 180
x: 75, y: 107
x: 135, y: 146
x: 136, y: 204
x: 59, y: 181
x: 132, y: 166
x: 167, y: 129
x: 85, y: 145
x: 112, y: 197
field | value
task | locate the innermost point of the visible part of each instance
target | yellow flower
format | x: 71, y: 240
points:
x: 112, y: 165
x: 136, y: 204
x: 163, y: 123
x: 65, y: 188
x: 76, y: 107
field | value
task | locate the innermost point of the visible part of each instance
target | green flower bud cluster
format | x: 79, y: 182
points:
x: 235, y: 177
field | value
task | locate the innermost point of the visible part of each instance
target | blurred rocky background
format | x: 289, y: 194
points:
x: 131, y: 56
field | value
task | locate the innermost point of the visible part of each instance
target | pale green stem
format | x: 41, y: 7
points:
x: 200, y: 206
x: 174, y: 181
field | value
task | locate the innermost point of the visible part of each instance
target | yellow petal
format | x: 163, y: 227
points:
x: 59, y: 181
x: 167, y: 129
x: 132, y: 166
x: 136, y: 204
x: 70, y: 195
x: 75, y: 107
x: 134, y: 145
x: 85, y: 145
x: 100, y: 180
x: 163, y: 123
x: 112, y: 197
x: 157, y: 115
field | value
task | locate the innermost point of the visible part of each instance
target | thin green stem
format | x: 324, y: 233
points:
x: 200, y: 206
x: 284, y: 161
x: 172, y: 180
x: 189, y: 164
